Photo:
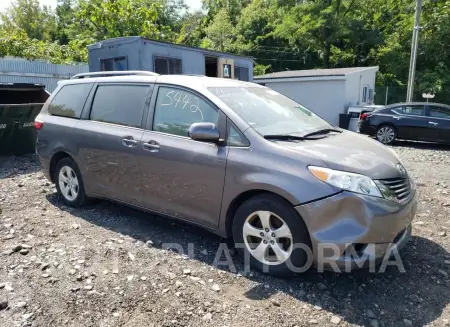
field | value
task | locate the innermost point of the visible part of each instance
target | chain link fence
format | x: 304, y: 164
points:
x: 385, y: 95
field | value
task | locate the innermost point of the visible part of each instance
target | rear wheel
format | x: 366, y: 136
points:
x: 268, y: 231
x: 386, y: 134
x: 69, y: 183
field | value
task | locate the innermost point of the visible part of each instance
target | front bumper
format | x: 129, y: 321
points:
x: 350, y: 230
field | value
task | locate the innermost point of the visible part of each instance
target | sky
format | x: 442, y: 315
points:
x: 193, y: 4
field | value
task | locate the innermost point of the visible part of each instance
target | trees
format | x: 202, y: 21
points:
x: 232, y: 7
x: 64, y: 16
x: 255, y: 37
x: 192, y: 29
x: 17, y: 43
x: 35, y: 31
x: 433, y: 71
x: 323, y: 29
x: 32, y: 31
x: 104, y: 19
x: 220, y: 33
x: 278, y: 34
x: 27, y: 15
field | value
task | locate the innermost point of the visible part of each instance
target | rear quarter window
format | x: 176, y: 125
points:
x: 395, y: 111
x: 69, y: 101
x: 439, y: 112
x: 383, y: 111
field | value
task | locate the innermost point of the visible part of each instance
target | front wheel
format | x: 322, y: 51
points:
x: 386, y: 134
x: 269, y: 232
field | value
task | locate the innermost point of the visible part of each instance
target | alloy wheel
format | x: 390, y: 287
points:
x: 267, y: 237
x: 68, y: 183
x: 386, y: 134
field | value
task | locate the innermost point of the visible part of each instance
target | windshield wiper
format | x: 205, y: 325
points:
x: 284, y: 137
x: 322, y: 131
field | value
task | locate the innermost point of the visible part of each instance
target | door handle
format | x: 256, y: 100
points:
x: 129, y: 141
x: 397, y: 117
x: 432, y: 123
x: 151, y: 146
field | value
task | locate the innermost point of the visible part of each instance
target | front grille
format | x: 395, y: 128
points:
x: 399, y: 188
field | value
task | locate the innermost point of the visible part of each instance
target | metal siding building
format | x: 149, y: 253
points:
x: 327, y: 92
x: 138, y: 53
x: 18, y: 70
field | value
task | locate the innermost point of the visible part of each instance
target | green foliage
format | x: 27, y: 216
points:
x: 260, y: 69
x: 64, y: 16
x: 34, y: 32
x: 17, y: 43
x: 27, y: 15
x: 104, y: 19
x: 232, y: 7
x: 220, y: 33
x: 192, y: 29
x: 278, y: 34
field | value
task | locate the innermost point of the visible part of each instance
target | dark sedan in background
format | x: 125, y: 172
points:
x: 410, y: 121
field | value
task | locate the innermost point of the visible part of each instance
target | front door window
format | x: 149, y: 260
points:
x: 177, y: 109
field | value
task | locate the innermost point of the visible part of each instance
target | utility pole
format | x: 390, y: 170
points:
x: 414, y: 45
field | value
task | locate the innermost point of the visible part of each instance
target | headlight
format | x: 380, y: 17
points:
x: 347, y: 181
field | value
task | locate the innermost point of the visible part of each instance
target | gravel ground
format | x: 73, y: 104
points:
x: 106, y: 265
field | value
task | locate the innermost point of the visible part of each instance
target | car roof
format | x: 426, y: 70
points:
x: 191, y: 81
x: 203, y: 81
x: 417, y: 103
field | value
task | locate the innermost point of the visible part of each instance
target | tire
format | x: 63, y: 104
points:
x: 76, y: 197
x: 280, y: 212
x: 386, y: 134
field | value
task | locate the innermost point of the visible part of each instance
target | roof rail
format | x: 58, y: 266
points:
x: 114, y: 73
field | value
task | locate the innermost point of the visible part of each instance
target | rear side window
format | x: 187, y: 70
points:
x: 69, y: 100
x: 120, y: 104
x: 415, y: 110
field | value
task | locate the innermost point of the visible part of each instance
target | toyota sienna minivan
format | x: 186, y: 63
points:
x: 236, y: 158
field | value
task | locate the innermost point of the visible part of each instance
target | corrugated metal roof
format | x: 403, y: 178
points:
x: 131, y: 39
x: 50, y: 83
x: 18, y: 70
x: 314, y: 72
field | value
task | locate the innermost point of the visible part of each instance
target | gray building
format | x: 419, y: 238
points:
x: 138, y: 53
x: 19, y: 70
x: 327, y: 92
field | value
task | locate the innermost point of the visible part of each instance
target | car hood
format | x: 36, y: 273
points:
x: 352, y: 152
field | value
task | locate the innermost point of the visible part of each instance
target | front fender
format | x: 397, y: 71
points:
x: 249, y: 170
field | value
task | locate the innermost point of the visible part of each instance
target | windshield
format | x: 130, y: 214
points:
x: 269, y: 112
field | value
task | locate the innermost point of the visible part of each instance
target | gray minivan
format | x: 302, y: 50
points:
x: 236, y: 158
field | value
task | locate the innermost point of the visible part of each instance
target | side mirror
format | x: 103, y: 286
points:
x: 204, y: 132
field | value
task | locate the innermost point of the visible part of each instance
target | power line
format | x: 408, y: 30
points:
x: 287, y: 50
x: 271, y: 46
x: 273, y: 59
x: 267, y: 50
